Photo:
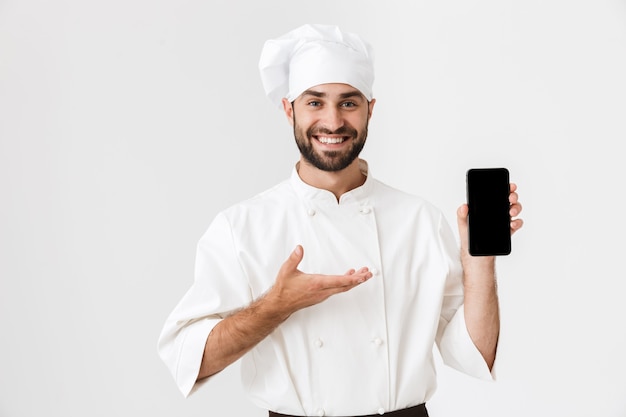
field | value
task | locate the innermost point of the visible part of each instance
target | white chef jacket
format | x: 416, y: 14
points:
x: 365, y: 351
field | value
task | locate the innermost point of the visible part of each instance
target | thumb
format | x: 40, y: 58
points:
x: 291, y: 264
x: 461, y: 219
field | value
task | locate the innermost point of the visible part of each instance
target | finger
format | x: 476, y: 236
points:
x: 341, y: 282
x: 513, y: 197
x: 516, y: 225
x: 352, y: 270
x: 512, y: 187
x: 515, y: 209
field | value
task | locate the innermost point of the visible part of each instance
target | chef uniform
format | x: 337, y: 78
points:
x: 362, y: 352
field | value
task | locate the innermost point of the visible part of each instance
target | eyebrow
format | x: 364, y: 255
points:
x: 342, y: 96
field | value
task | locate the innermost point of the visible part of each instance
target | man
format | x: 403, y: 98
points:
x: 275, y: 283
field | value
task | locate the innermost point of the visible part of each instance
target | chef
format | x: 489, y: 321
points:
x: 333, y: 287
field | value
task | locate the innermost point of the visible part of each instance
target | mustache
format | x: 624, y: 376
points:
x: 342, y: 131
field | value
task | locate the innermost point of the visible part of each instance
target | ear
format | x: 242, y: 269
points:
x: 371, y: 108
x: 288, y: 109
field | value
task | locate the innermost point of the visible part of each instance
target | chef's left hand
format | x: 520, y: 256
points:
x: 514, y: 211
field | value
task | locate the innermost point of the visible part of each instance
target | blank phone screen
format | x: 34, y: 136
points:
x: 489, y: 218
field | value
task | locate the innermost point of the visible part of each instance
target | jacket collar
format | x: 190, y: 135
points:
x: 308, y: 192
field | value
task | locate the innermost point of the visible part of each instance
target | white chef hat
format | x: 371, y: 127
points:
x: 315, y: 54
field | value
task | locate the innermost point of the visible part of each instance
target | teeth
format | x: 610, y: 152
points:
x: 330, y: 140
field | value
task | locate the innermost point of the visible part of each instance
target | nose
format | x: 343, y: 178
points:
x: 333, y: 119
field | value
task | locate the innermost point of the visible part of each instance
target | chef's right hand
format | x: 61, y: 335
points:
x: 294, y: 289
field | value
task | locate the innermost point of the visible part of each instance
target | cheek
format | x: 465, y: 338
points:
x: 304, y: 124
x: 358, y: 123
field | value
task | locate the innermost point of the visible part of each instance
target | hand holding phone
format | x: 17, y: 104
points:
x: 489, y: 220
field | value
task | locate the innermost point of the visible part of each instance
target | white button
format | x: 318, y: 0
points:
x: 321, y: 412
x: 378, y: 341
x: 310, y: 212
x: 381, y: 411
x: 374, y: 271
x: 319, y: 343
x: 366, y: 210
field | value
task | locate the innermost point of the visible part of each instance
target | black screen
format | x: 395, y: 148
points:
x: 489, y: 218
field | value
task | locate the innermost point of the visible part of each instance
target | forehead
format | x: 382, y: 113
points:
x: 333, y: 90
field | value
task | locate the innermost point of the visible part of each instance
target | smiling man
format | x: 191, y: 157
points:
x: 316, y: 336
x: 330, y: 127
x: 325, y: 130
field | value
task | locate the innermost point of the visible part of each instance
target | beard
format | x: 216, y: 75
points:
x: 331, y: 161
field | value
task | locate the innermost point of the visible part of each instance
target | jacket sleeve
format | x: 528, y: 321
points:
x: 453, y: 340
x: 219, y: 288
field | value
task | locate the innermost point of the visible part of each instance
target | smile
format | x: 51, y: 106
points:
x: 327, y: 140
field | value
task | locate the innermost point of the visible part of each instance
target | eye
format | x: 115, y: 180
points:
x: 314, y: 103
x: 348, y: 104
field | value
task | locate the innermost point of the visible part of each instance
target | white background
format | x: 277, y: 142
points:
x: 125, y: 126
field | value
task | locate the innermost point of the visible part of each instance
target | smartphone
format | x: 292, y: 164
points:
x: 489, y: 220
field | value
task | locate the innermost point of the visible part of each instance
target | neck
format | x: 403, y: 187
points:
x: 337, y: 182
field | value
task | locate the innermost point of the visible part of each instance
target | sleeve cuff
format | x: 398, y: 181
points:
x: 459, y: 352
x: 190, y: 356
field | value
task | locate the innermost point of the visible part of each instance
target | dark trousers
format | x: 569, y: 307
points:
x: 416, y: 411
